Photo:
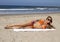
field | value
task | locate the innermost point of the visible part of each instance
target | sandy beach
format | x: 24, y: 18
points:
x: 11, y: 36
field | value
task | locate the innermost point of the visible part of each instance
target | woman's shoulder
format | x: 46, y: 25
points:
x: 42, y: 20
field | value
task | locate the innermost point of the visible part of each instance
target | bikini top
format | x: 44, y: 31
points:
x: 41, y: 22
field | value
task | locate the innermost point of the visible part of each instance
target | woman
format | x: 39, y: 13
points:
x: 37, y: 24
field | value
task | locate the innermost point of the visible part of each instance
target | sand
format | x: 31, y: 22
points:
x: 11, y: 36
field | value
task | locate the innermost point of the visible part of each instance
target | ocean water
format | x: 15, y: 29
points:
x: 12, y: 9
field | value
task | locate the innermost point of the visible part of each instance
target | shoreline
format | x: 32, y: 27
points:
x: 30, y: 13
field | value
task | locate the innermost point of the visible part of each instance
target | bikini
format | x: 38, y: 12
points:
x: 41, y: 22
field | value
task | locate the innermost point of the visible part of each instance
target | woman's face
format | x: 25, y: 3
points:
x: 48, y: 22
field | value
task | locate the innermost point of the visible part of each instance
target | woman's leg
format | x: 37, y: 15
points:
x: 13, y: 26
x: 17, y: 26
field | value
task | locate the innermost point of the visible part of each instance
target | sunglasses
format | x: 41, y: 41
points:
x: 49, y: 20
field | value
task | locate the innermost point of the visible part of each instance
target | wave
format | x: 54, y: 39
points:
x: 30, y: 9
x: 25, y: 9
x: 42, y: 8
x: 16, y: 9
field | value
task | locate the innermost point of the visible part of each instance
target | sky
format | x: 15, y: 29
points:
x: 31, y: 2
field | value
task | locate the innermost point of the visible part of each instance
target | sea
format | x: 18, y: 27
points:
x: 16, y: 9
